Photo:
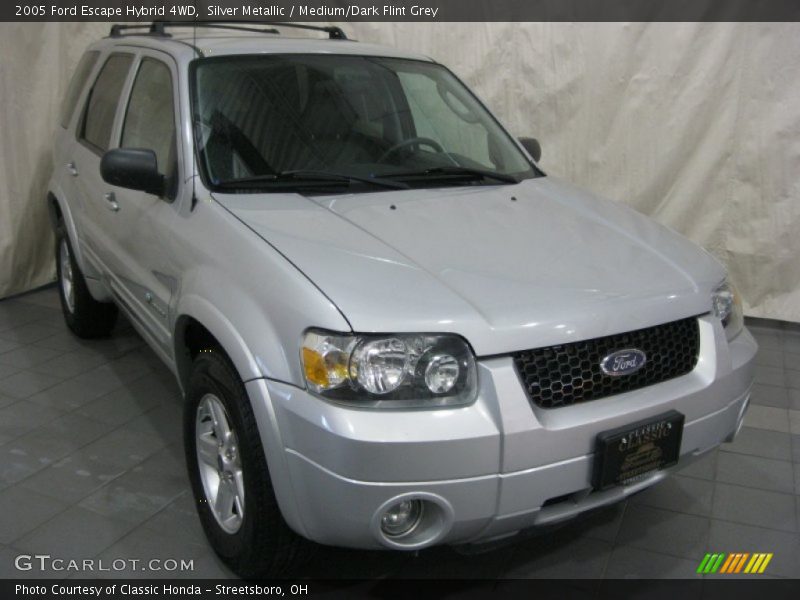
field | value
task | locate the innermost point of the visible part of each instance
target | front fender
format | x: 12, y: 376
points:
x: 209, y: 316
x: 257, y: 305
x: 246, y: 318
x: 259, y: 348
x: 214, y: 320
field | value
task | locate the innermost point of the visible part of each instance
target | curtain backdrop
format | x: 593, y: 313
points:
x: 36, y: 62
x: 695, y: 124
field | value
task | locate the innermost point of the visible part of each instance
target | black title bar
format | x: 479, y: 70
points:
x: 733, y: 588
x: 402, y: 10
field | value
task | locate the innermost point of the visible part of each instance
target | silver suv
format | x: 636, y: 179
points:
x: 392, y: 330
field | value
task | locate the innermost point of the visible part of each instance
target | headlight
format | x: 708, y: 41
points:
x: 390, y: 371
x: 726, y: 304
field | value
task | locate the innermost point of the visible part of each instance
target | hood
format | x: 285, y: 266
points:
x: 508, y: 267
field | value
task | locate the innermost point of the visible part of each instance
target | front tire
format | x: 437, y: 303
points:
x: 85, y: 316
x: 229, y: 474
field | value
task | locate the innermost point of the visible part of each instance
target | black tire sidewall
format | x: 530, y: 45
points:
x: 213, y: 375
x: 69, y: 315
x: 88, y: 317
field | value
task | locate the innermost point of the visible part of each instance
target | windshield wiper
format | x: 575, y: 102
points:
x: 435, y: 172
x: 303, y: 177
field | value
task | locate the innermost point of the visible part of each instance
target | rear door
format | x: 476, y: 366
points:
x: 144, y: 273
x: 94, y: 134
x: 64, y: 170
x: 80, y: 77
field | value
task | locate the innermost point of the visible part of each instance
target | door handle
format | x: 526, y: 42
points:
x: 73, y: 170
x: 111, y: 199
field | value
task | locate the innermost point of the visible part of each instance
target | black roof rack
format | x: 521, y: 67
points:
x: 158, y: 28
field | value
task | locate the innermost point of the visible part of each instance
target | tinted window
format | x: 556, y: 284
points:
x: 150, y: 120
x: 103, y: 99
x: 357, y: 115
x: 76, y: 84
x: 443, y: 116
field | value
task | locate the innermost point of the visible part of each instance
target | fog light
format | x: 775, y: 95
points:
x: 401, y: 518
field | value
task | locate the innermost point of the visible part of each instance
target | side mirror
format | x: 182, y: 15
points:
x: 132, y: 168
x: 532, y: 146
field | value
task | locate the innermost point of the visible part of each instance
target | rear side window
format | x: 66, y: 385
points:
x: 103, y: 99
x: 150, y: 119
x: 76, y: 84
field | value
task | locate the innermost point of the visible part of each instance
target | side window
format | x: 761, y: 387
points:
x: 76, y: 84
x: 103, y: 99
x: 150, y: 118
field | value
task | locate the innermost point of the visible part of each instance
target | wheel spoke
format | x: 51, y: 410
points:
x: 238, y: 486
x: 221, y: 426
x: 205, y: 416
x: 207, y: 449
x: 225, y: 499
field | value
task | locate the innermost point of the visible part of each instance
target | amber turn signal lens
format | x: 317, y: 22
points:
x: 314, y: 365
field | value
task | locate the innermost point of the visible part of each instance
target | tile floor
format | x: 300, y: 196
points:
x: 91, y: 465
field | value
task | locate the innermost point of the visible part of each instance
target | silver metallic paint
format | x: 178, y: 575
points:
x: 556, y: 265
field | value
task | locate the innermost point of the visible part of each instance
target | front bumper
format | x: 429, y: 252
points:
x: 487, y: 470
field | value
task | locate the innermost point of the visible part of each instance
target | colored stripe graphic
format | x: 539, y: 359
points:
x: 702, y: 567
x: 703, y: 563
x: 727, y: 564
x: 731, y: 563
x: 716, y: 563
x: 752, y: 566
x: 764, y: 564
x: 740, y: 564
x: 734, y: 563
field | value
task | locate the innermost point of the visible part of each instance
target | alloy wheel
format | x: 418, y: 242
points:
x: 220, y: 463
x: 67, y: 282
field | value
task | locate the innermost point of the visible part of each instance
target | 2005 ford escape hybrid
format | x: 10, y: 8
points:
x: 392, y: 330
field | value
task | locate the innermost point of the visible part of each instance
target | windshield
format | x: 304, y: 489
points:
x: 332, y: 120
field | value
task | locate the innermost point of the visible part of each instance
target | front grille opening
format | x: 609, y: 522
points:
x: 570, y: 373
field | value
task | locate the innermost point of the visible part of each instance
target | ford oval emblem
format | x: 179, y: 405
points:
x: 623, y: 362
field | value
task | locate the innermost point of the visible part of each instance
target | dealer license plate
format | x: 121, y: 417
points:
x: 632, y: 452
